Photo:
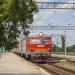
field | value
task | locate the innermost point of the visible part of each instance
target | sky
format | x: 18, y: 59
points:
x: 56, y: 17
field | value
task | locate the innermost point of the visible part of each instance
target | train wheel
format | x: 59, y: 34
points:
x: 24, y: 56
x: 28, y: 57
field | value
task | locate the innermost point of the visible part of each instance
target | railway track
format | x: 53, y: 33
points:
x: 56, y: 70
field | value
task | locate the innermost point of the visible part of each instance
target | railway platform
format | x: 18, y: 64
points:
x: 67, y: 57
x: 11, y: 64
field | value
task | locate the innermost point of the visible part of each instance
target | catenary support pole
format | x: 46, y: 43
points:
x: 65, y: 44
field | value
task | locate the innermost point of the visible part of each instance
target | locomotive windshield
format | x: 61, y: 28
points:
x: 40, y: 41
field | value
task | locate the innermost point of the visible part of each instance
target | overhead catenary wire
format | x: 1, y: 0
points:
x: 64, y: 20
x: 47, y: 23
x: 68, y: 19
x: 42, y: 16
x: 39, y: 18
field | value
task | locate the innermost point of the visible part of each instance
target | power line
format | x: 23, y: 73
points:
x: 42, y: 16
x: 62, y: 22
x: 46, y: 13
x: 47, y: 23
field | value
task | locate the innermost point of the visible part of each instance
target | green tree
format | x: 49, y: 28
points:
x: 71, y: 48
x: 2, y: 28
x: 15, y: 17
x: 63, y: 42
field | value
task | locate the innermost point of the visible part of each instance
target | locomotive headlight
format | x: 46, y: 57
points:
x: 41, y: 34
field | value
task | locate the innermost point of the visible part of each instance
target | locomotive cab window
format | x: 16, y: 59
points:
x: 40, y: 41
x: 36, y: 41
x: 45, y: 41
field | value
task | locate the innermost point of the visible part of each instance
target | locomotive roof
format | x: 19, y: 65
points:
x: 36, y: 35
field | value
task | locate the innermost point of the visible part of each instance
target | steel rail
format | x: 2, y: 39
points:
x: 56, y: 70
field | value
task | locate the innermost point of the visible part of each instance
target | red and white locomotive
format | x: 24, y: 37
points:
x: 36, y: 47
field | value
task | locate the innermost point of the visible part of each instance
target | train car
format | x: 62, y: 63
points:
x: 36, y: 47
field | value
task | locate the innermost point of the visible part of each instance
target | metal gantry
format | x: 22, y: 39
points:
x: 52, y: 28
x: 55, y: 5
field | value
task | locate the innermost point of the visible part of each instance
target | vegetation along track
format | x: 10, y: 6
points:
x: 56, y: 70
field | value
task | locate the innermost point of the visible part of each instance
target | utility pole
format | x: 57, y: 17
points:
x: 65, y: 43
x: 0, y: 52
x: 3, y: 50
x: 57, y: 45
